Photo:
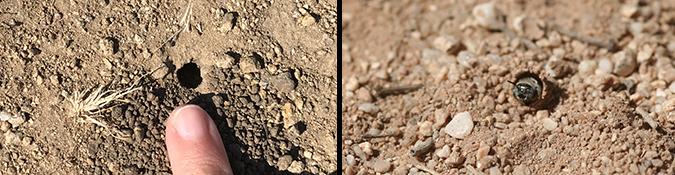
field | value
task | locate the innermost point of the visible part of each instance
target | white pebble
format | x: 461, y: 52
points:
x: 549, y: 124
x: 488, y: 16
x: 460, y: 126
x: 587, y: 66
x: 466, y: 59
x: 443, y: 152
x: 605, y: 66
x: 4, y: 116
x: 624, y: 63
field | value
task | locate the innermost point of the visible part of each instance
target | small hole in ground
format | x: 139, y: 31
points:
x: 189, y: 75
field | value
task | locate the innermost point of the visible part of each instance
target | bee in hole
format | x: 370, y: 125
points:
x: 527, y: 88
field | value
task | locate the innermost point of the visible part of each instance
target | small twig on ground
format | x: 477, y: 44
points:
x: 646, y: 117
x: 184, y: 21
x: 396, y: 90
x: 430, y: 171
x: 608, y: 44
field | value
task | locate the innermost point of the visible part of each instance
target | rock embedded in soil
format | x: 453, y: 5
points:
x: 284, y: 82
x: 306, y: 20
x: 487, y: 15
x: 381, y: 166
x: 228, y: 23
x: 250, y: 64
x: 296, y: 167
x: 460, y: 126
x: 624, y: 63
x: 285, y: 161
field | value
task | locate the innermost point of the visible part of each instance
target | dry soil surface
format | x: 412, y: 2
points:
x: 427, y: 87
x: 264, y: 70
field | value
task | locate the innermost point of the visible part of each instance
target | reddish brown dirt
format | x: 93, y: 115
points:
x: 597, y: 120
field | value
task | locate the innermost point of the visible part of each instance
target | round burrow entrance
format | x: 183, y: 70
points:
x: 189, y: 75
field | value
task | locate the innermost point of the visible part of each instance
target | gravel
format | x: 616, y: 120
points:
x: 460, y: 126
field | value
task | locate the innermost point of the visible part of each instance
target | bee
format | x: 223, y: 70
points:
x: 527, y: 88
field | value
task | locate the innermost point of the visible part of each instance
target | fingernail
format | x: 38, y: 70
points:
x: 191, y: 122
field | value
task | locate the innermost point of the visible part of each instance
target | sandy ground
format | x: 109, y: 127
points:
x: 264, y: 70
x: 427, y: 87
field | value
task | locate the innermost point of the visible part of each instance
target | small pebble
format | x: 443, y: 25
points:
x: 296, y: 167
x: 455, y: 159
x: 557, y: 68
x: 447, y: 44
x: 440, y: 118
x: 549, y: 124
x: 16, y: 121
x: 483, y: 151
x: 628, y: 10
x: 367, y: 148
x: 285, y: 161
x: 352, y: 84
x: 364, y: 95
x: 605, y: 66
x: 466, y: 59
x: 306, y: 20
x: 249, y: 64
x: 381, y: 166
x: 460, y: 126
x: 587, y: 67
x: 624, y: 63
x: 443, y: 152
x: 425, y: 129
x: 488, y: 16
x: 645, y: 53
x: 369, y: 108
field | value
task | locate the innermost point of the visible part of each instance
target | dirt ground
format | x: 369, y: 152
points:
x: 264, y: 70
x: 427, y: 87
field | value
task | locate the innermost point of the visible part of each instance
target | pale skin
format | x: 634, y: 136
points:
x: 194, y: 144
